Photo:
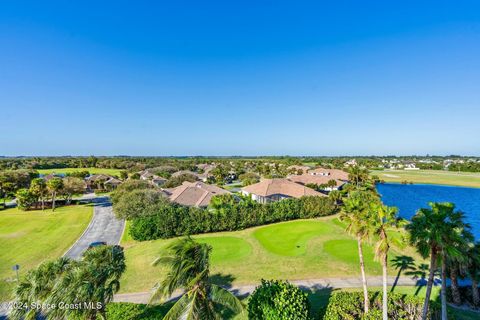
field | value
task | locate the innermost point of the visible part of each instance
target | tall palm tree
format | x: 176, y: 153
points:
x: 39, y: 188
x: 189, y: 268
x: 54, y: 185
x: 383, y: 217
x: 436, y: 232
x: 357, y: 214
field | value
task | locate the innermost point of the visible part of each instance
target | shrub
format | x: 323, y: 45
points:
x: 123, y: 310
x: 278, y: 300
x: 138, y: 203
x: 349, y: 305
x: 25, y: 199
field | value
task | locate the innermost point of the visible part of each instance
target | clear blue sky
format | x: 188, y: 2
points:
x: 239, y: 77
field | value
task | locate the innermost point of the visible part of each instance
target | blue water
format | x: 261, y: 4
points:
x: 409, y: 198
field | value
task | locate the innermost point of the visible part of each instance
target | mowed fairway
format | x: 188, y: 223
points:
x: 29, y: 237
x: 302, y: 249
x: 466, y: 179
x: 112, y: 172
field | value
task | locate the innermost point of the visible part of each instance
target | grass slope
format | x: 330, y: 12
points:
x: 28, y: 238
x: 113, y: 172
x: 466, y: 179
x: 299, y: 249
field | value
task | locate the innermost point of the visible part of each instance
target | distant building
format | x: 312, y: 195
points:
x: 335, y: 174
x: 269, y: 190
x: 194, y: 194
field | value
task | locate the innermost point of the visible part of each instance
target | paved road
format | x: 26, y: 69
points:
x: 312, y: 284
x: 103, y: 227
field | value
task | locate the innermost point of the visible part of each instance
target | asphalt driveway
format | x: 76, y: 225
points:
x: 103, y: 227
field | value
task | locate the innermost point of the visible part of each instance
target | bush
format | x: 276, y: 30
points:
x: 138, y: 203
x: 175, y: 220
x: 278, y: 300
x: 134, y: 311
x: 349, y: 305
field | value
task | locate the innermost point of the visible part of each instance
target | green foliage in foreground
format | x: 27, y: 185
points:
x: 124, y: 310
x: 349, y: 305
x: 174, y: 220
x: 278, y: 300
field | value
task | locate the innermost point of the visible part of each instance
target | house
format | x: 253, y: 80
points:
x: 335, y: 174
x: 153, y: 178
x: 298, y: 169
x: 112, y: 183
x: 194, y: 194
x: 269, y: 190
x: 97, y: 181
x: 319, y: 180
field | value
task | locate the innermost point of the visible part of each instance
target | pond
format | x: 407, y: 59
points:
x: 408, y: 198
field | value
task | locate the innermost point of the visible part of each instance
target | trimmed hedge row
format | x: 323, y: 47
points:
x: 349, y: 305
x: 174, y: 220
x: 133, y: 311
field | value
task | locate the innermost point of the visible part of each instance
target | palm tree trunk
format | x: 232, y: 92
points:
x: 53, y: 201
x: 433, y: 262
x: 385, y: 297
x: 457, y: 299
x: 444, y: 287
x: 475, y: 293
x: 364, y: 278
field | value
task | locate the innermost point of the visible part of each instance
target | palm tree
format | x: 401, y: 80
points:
x: 358, y: 175
x: 383, y: 217
x: 39, y: 188
x: 458, y: 264
x: 54, y: 185
x: 189, y: 267
x: 94, y: 280
x: 37, y: 286
x: 473, y: 267
x: 436, y: 232
x: 356, y: 213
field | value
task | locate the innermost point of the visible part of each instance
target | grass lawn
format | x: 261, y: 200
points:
x: 29, y: 237
x: 299, y: 249
x: 112, y: 172
x: 466, y: 179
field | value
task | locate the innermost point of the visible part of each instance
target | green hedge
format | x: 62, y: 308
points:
x: 175, y: 220
x: 349, y: 306
x: 133, y: 311
x: 278, y: 300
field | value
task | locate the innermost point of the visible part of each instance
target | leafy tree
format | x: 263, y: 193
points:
x: 249, y: 178
x: 383, y: 217
x: 178, y: 180
x: 38, y: 187
x: 123, y: 175
x: 356, y: 213
x: 436, y: 232
x: 138, y: 203
x: 189, y: 269
x: 278, y: 300
x: 71, y: 186
x: 54, y: 185
x: 25, y: 199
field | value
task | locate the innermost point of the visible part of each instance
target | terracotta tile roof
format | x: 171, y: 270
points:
x: 270, y: 187
x: 332, y: 173
x: 196, y: 194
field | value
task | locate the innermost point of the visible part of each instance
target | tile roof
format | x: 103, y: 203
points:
x: 196, y: 193
x: 269, y: 187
